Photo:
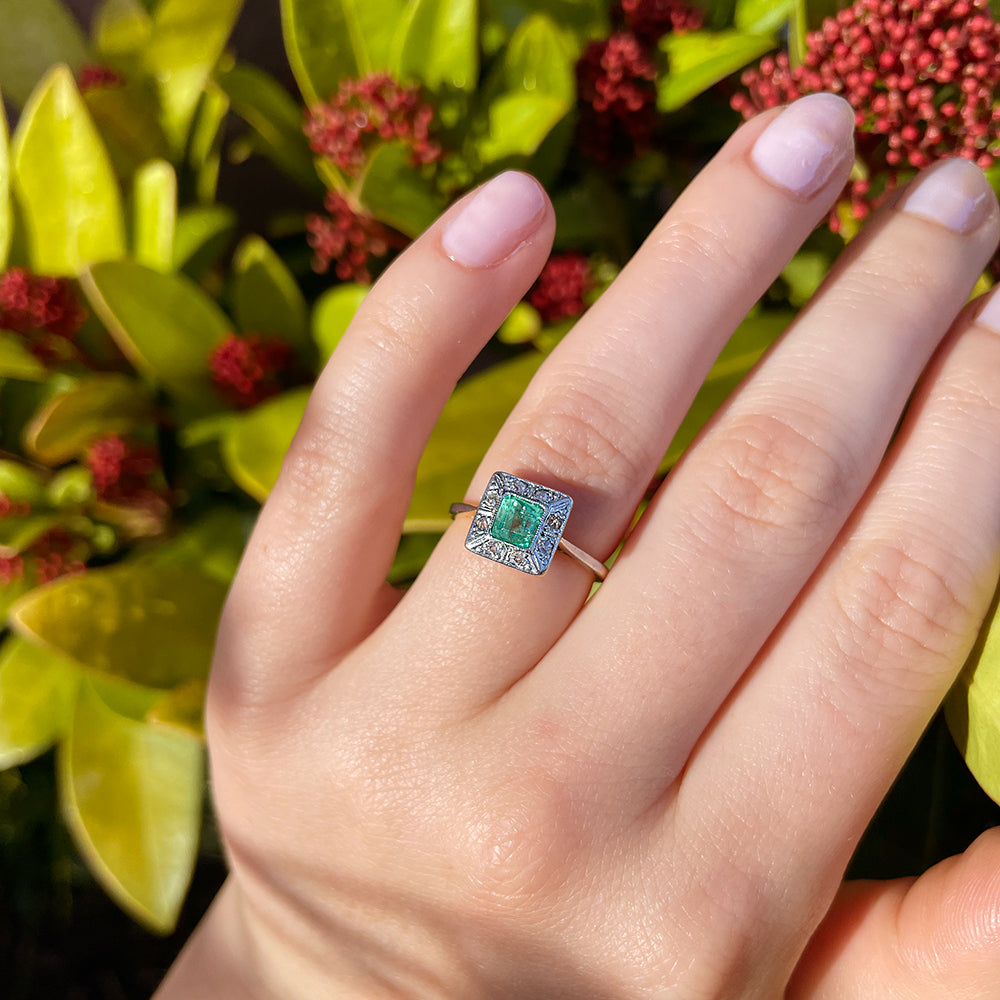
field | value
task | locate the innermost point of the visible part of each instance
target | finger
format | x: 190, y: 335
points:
x: 743, y: 522
x: 312, y: 578
x: 599, y: 415
x: 799, y: 758
x: 934, y: 937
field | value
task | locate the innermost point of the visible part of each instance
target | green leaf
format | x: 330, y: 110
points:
x: 276, y: 119
x: 37, y: 691
x: 65, y: 186
x: 6, y: 215
x: 164, y: 323
x: 205, y: 145
x: 973, y: 706
x: 438, y: 44
x: 182, y: 710
x: 521, y: 326
x: 518, y: 125
x: 332, y: 315
x: 203, y: 235
x: 213, y: 544
x: 19, y: 483
x: 131, y: 794
x: 16, y: 361
x: 699, y: 59
x: 36, y: 35
x: 583, y: 19
x: 320, y: 42
x: 141, y: 622
x: 127, y: 117
x: 20, y: 531
x: 188, y: 38
x: 121, y: 30
x: 752, y: 337
x: 97, y: 405
x: 399, y: 194
x: 254, y: 446
x: 470, y: 421
x: 761, y: 17
x: 155, y: 196
x: 266, y: 297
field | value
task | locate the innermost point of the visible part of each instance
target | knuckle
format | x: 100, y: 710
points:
x: 313, y: 472
x: 396, y: 327
x: 764, y: 476
x: 698, y: 244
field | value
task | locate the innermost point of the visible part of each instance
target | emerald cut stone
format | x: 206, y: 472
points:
x: 517, y: 521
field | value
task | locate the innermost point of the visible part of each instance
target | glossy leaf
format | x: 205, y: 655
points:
x: 36, y: 35
x: 699, y: 59
x: 752, y: 337
x: 973, y: 706
x: 205, y: 143
x: 6, y: 214
x: 518, y: 125
x: 121, y: 30
x: 16, y: 361
x: 64, y: 182
x: 399, y: 194
x: 188, y: 38
x: 761, y: 17
x: 155, y: 212
x: 204, y: 233
x: 131, y: 794
x: 97, y: 405
x: 149, y: 624
x: 438, y: 44
x: 266, y: 297
x: 254, y: 446
x: 164, y: 323
x: 275, y: 118
x: 583, y: 19
x: 322, y: 38
x: 470, y: 421
x: 332, y: 315
x: 182, y: 709
x: 19, y: 483
x: 37, y: 691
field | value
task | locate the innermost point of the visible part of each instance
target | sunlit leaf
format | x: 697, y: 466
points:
x: 973, y: 706
x: 121, y: 29
x: 20, y: 531
x: 266, y: 297
x: 518, y: 124
x: 16, y: 361
x: 34, y: 36
x: 321, y: 39
x: 131, y: 794
x: 699, y: 59
x: 204, y: 233
x: 583, y: 19
x: 254, y: 446
x: 97, y: 405
x: 213, y: 544
x: 65, y: 186
x: 332, y: 315
x: 19, y: 483
x: 37, y: 691
x: 205, y: 143
x: 397, y: 193
x: 6, y: 215
x: 128, y: 119
x: 438, y: 43
x: 164, y: 323
x: 182, y: 709
x: 155, y: 214
x: 146, y: 623
x: 761, y: 17
x: 470, y: 421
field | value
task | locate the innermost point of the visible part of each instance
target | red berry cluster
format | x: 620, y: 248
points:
x: 561, y: 288
x: 248, y: 369
x: 124, y: 472
x: 616, y: 80
x: 44, y: 310
x: 922, y: 76
x: 56, y: 553
x: 348, y: 239
x: 366, y: 111
x: 13, y: 508
x: 96, y: 77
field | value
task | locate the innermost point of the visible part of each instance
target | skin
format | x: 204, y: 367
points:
x: 485, y: 789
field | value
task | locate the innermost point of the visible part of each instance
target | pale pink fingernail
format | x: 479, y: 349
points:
x: 804, y: 145
x: 500, y: 216
x: 954, y: 193
x: 989, y: 315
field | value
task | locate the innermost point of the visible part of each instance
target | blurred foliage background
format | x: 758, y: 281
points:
x: 190, y: 214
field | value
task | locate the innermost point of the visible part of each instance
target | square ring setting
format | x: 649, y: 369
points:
x: 519, y: 523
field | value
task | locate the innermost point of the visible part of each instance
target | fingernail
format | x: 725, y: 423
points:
x: 989, y: 315
x: 954, y: 193
x: 500, y: 217
x: 802, y: 147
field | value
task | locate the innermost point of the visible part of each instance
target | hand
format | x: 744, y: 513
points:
x: 490, y: 788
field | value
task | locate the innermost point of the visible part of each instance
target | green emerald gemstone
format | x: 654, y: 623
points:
x: 517, y: 521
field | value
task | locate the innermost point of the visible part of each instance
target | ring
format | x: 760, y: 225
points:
x: 520, y: 524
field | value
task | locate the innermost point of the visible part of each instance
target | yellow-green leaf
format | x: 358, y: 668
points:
x: 254, y: 446
x: 973, y: 706
x: 35, y: 35
x: 19, y: 483
x: 321, y: 39
x: 6, y: 215
x: 20, y: 531
x: 131, y: 794
x: 64, y: 182
x: 121, y: 29
x: 204, y: 232
x: 266, y: 297
x: 398, y: 193
x: 142, y: 622
x: 16, y: 361
x: 761, y: 17
x: 100, y: 404
x: 332, y: 315
x: 438, y: 43
x: 205, y: 143
x: 182, y: 709
x: 155, y: 210
x: 37, y: 691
